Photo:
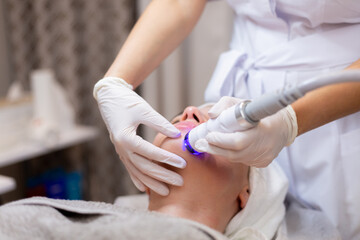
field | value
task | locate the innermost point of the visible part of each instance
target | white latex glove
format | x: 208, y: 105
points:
x: 257, y: 146
x: 123, y: 110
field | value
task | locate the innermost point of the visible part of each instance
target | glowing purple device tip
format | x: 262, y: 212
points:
x: 189, y: 147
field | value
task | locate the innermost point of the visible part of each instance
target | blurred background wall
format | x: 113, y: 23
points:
x: 4, y: 54
x: 182, y: 78
x: 78, y: 40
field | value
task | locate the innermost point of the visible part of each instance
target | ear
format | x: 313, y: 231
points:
x: 244, y: 196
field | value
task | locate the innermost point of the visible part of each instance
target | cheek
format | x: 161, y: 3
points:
x: 206, y: 168
x: 222, y: 169
x: 176, y: 146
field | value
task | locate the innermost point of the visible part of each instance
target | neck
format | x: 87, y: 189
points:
x: 212, y: 214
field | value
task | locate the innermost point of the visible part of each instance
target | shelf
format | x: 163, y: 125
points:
x: 6, y: 184
x: 28, y: 150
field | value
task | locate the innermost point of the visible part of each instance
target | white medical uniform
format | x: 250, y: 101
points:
x: 277, y: 43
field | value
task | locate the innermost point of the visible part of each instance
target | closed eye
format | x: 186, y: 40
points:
x: 176, y: 119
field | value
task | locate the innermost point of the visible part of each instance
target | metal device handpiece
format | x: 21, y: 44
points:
x: 232, y: 119
x: 247, y: 114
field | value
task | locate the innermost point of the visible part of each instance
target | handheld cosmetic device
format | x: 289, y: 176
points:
x: 247, y: 114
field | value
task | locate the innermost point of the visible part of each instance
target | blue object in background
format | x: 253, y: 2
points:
x: 55, y: 183
x: 74, y: 186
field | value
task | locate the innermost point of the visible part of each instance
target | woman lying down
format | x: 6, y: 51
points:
x: 219, y: 200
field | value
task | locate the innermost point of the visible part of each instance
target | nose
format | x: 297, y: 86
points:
x: 192, y: 113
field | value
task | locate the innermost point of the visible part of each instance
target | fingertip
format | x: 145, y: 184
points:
x: 164, y: 127
x: 177, y: 134
x: 174, y: 160
x: 173, y: 132
x: 178, y: 162
x: 141, y: 190
x: 163, y: 191
x: 139, y: 186
x: 184, y: 165
x: 201, y: 145
x: 212, y: 114
x: 179, y: 181
x: 215, y: 111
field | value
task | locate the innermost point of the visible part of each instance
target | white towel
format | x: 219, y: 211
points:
x: 43, y: 218
x: 265, y: 208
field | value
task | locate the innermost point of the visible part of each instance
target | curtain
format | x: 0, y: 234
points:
x: 78, y: 39
x: 181, y: 79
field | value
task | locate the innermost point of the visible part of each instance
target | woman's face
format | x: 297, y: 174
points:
x: 204, y: 169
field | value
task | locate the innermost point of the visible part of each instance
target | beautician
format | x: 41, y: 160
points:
x: 275, y: 43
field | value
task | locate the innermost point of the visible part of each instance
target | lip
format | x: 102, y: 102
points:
x: 185, y: 125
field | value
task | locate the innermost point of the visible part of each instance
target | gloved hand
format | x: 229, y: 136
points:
x: 257, y: 146
x: 123, y: 110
